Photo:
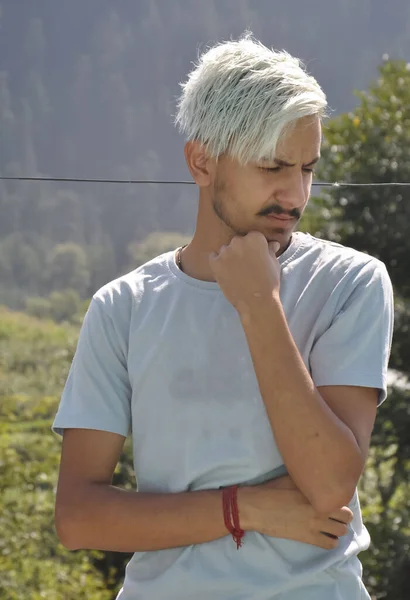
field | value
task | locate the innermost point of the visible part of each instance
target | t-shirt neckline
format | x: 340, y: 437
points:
x: 295, y: 246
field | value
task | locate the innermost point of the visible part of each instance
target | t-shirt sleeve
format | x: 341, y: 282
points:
x: 97, y: 393
x: 355, y: 349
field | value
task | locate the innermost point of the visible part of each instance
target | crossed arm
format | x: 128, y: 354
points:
x: 323, y: 433
x: 93, y: 514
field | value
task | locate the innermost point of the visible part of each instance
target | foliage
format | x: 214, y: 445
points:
x: 68, y: 268
x: 65, y: 305
x: 372, y: 143
x: 153, y: 245
x: 35, y: 358
x: 32, y: 563
x: 104, y: 114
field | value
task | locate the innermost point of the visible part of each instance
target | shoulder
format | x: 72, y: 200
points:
x: 342, y: 263
x: 117, y: 299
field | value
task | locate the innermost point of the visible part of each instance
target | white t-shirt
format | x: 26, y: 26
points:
x: 163, y: 357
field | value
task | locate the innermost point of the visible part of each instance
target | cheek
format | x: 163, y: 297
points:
x: 254, y: 191
x: 245, y: 193
x: 308, y: 187
x: 251, y: 199
x: 234, y: 193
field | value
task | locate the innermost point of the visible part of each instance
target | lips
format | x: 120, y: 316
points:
x: 280, y: 218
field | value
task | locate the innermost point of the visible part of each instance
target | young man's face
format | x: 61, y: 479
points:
x: 248, y: 198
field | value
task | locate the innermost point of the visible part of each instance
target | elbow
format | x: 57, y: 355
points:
x: 328, y: 502
x: 332, y: 494
x: 66, y: 529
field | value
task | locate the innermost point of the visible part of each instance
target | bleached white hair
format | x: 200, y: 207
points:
x: 242, y: 98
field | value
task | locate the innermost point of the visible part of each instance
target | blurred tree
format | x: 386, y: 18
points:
x: 35, y: 357
x: 8, y: 123
x: 68, y: 268
x: 316, y: 217
x: 62, y: 214
x: 64, y: 305
x: 372, y: 143
x: 21, y: 261
x: 154, y: 245
x: 102, y: 265
x: 38, y: 307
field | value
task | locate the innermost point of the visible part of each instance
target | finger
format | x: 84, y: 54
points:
x: 344, y: 515
x: 328, y: 543
x: 335, y: 529
x: 329, y: 535
x: 274, y: 247
x: 337, y: 520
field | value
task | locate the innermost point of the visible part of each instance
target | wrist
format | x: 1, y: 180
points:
x: 246, y: 507
x: 266, y: 508
x: 258, y: 312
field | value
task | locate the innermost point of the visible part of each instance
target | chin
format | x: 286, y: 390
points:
x: 283, y: 232
x: 282, y: 237
x: 277, y: 234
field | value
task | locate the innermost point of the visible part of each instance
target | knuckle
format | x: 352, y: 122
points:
x: 347, y: 514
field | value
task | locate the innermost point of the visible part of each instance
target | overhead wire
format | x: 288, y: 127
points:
x: 335, y: 184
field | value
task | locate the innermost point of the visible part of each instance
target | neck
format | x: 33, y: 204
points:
x: 209, y: 237
x: 195, y: 257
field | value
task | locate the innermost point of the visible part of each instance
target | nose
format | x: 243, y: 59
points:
x: 293, y: 190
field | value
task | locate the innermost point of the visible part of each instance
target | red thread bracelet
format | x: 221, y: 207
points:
x: 231, y: 514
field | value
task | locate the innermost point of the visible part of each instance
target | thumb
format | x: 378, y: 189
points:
x: 274, y: 247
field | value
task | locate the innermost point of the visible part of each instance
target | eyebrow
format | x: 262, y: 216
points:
x: 282, y: 163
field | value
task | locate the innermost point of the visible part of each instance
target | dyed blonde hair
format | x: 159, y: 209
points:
x: 242, y: 97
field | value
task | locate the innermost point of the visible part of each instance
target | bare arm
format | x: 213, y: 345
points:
x: 318, y: 444
x: 93, y: 514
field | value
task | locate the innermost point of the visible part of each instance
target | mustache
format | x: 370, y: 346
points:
x: 276, y: 210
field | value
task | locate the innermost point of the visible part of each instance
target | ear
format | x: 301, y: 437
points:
x: 200, y: 165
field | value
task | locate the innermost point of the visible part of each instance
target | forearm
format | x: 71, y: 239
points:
x: 104, y: 517
x: 318, y: 449
x: 109, y: 518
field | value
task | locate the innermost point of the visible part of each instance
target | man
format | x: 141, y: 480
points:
x: 254, y: 357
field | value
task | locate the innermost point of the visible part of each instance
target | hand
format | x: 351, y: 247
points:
x: 286, y: 513
x: 247, y: 271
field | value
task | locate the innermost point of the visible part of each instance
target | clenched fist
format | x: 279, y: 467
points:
x: 247, y: 271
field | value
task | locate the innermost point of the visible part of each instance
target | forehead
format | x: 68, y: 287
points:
x: 302, y: 142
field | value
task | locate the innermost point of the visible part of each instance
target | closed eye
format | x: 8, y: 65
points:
x: 270, y: 169
x: 277, y: 169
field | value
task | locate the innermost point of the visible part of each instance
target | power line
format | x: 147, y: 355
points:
x: 88, y: 180
x: 335, y: 184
